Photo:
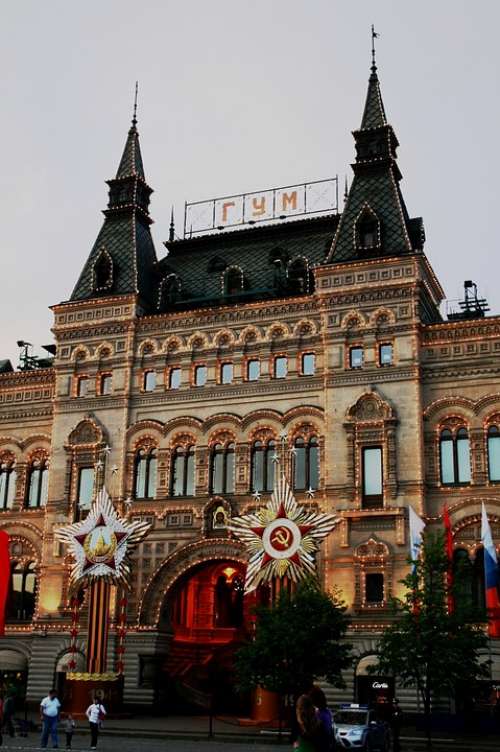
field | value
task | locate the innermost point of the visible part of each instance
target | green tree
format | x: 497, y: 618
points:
x: 297, y: 640
x: 427, y: 647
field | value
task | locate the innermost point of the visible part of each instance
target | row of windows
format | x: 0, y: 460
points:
x: 455, y: 469
x: 226, y: 372
x: 104, y: 385
x: 37, y: 487
x: 385, y: 355
x: 455, y: 460
x: 222, y: 475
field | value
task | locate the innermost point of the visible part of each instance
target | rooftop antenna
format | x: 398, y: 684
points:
x: 472, y: 306
x: 134, y: 119
x: 375, y: 35
x: 171, y: 234
x: 346, y: 190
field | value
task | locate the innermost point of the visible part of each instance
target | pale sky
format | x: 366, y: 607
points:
x: 236, y: 96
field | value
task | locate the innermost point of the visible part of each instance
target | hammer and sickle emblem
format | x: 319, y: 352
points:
x: 282, y: 537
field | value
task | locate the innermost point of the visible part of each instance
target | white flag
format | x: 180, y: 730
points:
x: 417, y: 526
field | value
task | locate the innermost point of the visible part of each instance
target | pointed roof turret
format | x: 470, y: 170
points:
x: 131, y: 161
x: 123, y: 257
x: 375, y: 221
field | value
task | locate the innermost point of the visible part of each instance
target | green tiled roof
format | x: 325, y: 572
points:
x: 374, y: 113
x: 250, y: 249
x: 131, y: 161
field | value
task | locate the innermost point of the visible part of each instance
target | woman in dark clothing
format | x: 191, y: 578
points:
x: 311, y: 737
x: 325, y: 717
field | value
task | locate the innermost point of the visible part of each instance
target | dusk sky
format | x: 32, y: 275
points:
x: 237, y: 96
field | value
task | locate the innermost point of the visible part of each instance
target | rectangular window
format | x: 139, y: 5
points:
x: 226, y: 373
x: 374, y: 587
x: 149, y: 383
x: 280, y: 367
x: 463, y: 460
x: 253, y: 370
x: 372, y: 477
x: 356, y: 357
x: 106, y: 383
x: 494, y: 456
x: 308, y: 364
x: 385, y: 354
x: 174, y: 379
x: 447, y: 462
x: 82, y: 386
x: 200, y: 375
x: 85, y: 487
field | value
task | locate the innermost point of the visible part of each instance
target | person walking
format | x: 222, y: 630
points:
x: 69, y: 729
x: 8, y: 710
x: 95, y: 713
x: 395, y: 723
x: 325, y: 717
x: 311, y: 737
x: 49, y: 714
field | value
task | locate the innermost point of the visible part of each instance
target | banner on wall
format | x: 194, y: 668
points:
x: 4, y: 577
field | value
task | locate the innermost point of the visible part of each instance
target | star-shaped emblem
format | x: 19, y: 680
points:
x: 281, y: 538
x: 101, y: 543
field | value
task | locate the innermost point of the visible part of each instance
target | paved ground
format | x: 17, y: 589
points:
x: 136, y: 743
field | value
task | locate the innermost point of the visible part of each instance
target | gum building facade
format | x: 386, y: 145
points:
x: 177, y: 379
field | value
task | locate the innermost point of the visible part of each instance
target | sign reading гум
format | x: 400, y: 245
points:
x: 249, y: 208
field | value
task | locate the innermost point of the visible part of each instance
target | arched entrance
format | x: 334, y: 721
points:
x: 209, y: 618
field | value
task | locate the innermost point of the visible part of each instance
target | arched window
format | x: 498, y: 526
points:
x: 306, y: 464
x: 145, y: 473
x: 298, y: 276
x: 263, y: 465
x: 7, y: 485
x: 454, y: 457
x: 494, y: 453
x: 222, y: 469
x: 233, y: 281
x: 182, y: 472
x: 38, y: 484
x: 368, y: 231
x: 21, y: 602
x: 170, y: 288
x: 103, y: 272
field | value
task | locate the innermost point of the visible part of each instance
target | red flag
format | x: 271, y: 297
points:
x: 449, y: 554
x: 4, y: 577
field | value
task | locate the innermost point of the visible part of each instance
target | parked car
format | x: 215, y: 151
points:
x: 357, y: 727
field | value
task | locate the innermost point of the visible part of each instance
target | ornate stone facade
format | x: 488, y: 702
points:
x: 440, y: 375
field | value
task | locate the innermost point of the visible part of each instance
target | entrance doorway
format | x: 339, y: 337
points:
x: 208, y: 615
x: 373, y: 689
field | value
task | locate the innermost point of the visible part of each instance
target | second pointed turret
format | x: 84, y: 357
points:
x: 375, y: 220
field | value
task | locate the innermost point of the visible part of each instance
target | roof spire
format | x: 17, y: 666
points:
x: 374, y: 113
x: 375, y: 36
x: 171, y: 234
x: 134, y: 118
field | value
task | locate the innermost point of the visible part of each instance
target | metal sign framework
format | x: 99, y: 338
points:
x: 314, y: 197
